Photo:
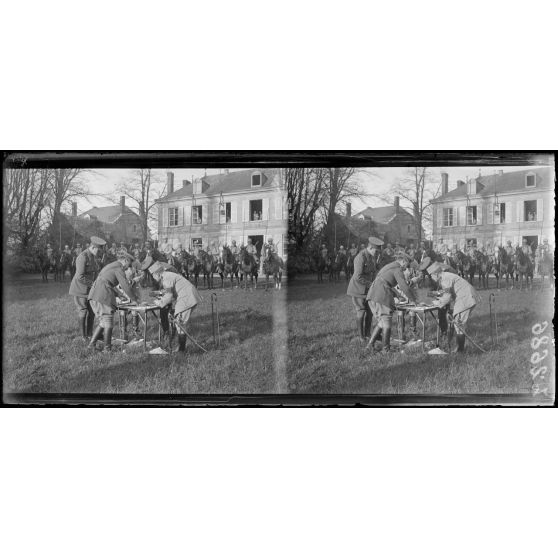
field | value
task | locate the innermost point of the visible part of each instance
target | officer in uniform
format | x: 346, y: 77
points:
x: 235, y: 251
x: 457, y: 289
x: 102, y: 297
x: 526, y: 249
x: 509, y: 249
x: 251, y: 249
x: 353, y: 250
x: 87, y: 269
x: 363, y: 275
x: 381, y: 300
x: 176, y: 288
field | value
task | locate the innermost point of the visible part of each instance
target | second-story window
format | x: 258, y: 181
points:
x: 448, y: 217
x: 530, y: 210
x: 197, y: 215
x: 472, y: 215
x: 499, y: 213
x: 256, y: 180
x: 173, y: 216
x: 256, y: 210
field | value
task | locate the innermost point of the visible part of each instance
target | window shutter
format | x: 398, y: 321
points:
x: 519, y: 209
x: 245, y: 210
x: 455, y: 210
x: 233, y: 212
x: 279, y: 208
x: 216, y: 214
x: 187, y: 215
x: 540, y: 215
x: 165, y: 217
x: 479, y: 214
x: 204, y: 214
x: 462, y: 215
x: 265, y: 209
x: 181, y: 216
x: 490, y: 215
x: 508, y: 218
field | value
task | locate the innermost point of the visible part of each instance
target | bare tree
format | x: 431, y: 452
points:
x: 416, y: 187
x: 26, y: 195
x: 305, y: 193
x: 144, y: 187
x: 66, y: 185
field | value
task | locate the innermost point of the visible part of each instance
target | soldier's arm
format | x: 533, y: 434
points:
x: 360, y: 277
x: 80, y: 272
x: 400, y: 278
x: 124, y: 285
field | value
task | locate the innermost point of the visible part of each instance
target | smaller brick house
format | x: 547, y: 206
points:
x: 118, y: 222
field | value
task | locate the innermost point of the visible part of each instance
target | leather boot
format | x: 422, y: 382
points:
x: 367, y: 324
x: 90, y: 322
x: 387, y: 338
x: 375, y: 335
x: 181, y: 343
x: 108, y: 339
x: 360, y: 327
x: 83, y: 327
x: 95, y: 337
x: 460, y: 338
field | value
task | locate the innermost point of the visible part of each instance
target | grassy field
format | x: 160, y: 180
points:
x: 297, y: 340
x: 325, y: 356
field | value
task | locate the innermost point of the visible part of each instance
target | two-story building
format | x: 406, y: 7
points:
x: 240, y: 205
x: 118, y: 222
x: 496, y: 208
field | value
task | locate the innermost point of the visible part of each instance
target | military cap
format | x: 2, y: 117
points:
x: 157, y: 267
x: 98, y: 241
x: 375, y: 241
x: 425, y: 263
x: 124, y: 255
x: 434, y: 268
x: 403, y: 256
x: 167, y: 249
x: 146, y: 263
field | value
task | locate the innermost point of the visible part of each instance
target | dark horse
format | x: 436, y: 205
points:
x: 192, y: 267
x: 63, y: 263
x: 208, y: 269
x: 469, y: 268
x: 482, y: 264
x: 248, y: 266
x: 523, y: 267
x: 322, y: 267
x: 47, y: 264
x: 273, y: 265
x: 227, y: 266
x: 503, y: 266
x: 338, y: 265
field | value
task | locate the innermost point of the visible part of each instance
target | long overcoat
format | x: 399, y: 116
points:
x: 363, y: 275
x: 87, y: 269
x: 179, y: 288
x: 103, y: 290
x: 388, y: 277
x: 458, y: 289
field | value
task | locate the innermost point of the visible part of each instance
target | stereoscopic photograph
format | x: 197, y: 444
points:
x: 293, y: 280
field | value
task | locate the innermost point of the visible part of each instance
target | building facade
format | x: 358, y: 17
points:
x: 118, y: 222
x: 392, y: 223
x: 220, y: 208
x: 490, y: 210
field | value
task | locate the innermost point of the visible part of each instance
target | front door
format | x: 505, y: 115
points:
x: 532, y: 241
x: 257, y: 241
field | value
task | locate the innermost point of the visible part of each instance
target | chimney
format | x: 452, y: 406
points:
x: 460, y: 183
x: 74, y: 209
x: 348, y: 210
x: 170, y: 182
x: 444, y: 183
x: 396, y: 203
x: 185, y: 183
x: 122, y: 203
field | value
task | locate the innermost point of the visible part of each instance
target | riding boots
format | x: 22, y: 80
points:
x: 375, y: 335
x: 367, y: 322
x: 90, y: 322
x: 181, y: 343
x: 460, y: 339
x: 96, y: 336
x: 387, y: 338
x: 83, y: 327
x: 107, y: 339
x: 360, y: 327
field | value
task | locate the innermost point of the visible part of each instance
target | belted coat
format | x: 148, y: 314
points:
x: 458, y: 289
x: 179, y: 288
x: 388, y: 277
x: 363, y: 275
x: 103, y: 289
x: 87, y: 269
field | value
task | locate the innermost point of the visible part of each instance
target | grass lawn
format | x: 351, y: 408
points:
x: 44, y: 354
x: 325, y: 356
x: 297, y: 340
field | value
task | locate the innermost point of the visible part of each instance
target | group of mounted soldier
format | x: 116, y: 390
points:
x: 517, y: 264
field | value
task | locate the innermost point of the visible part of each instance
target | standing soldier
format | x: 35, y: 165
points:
x: 102, y: 297
x: 363, y: 275
x: 380, y: 297
x: 353, y: 250
x: 179, y: 289
x: 87, y: 269
x: 462, y: 293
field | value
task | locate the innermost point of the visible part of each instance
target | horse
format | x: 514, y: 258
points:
x: 468, y: 268
x: 45, y: 266
x: 273, y: 265
x: 523, y: 267
x: 504, y: 266
x: 248, y: 266
x: 482, y: 264
x: 335, y: 267
x: 192, y: 268
x: 460, y: 262
x: 62, y: 264
x: 321, y: 267
x: 208, y: 269
x: 227, y: 266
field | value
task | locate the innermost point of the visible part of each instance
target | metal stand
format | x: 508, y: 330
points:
x: 493, y: 319
x: 215, y: 320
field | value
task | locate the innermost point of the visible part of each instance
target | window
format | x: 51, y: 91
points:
x: 256, y: 180
x: 195, y: 242
x: 225, y: 213
x: 499, y: 213
x: 472, y: 215
x: 471, y: 242
x: 173, y: 216
x: 448, y: 217
x: 530, y: 181
x: 197, y: 215
x: 256, y: 208
x: 530, y: 210
x: 134, y: 228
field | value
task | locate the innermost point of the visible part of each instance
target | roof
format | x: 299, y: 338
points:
x: 108, y: 214
x: 382, y: 215
x: 227, y: 183
x: 507, y: 182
